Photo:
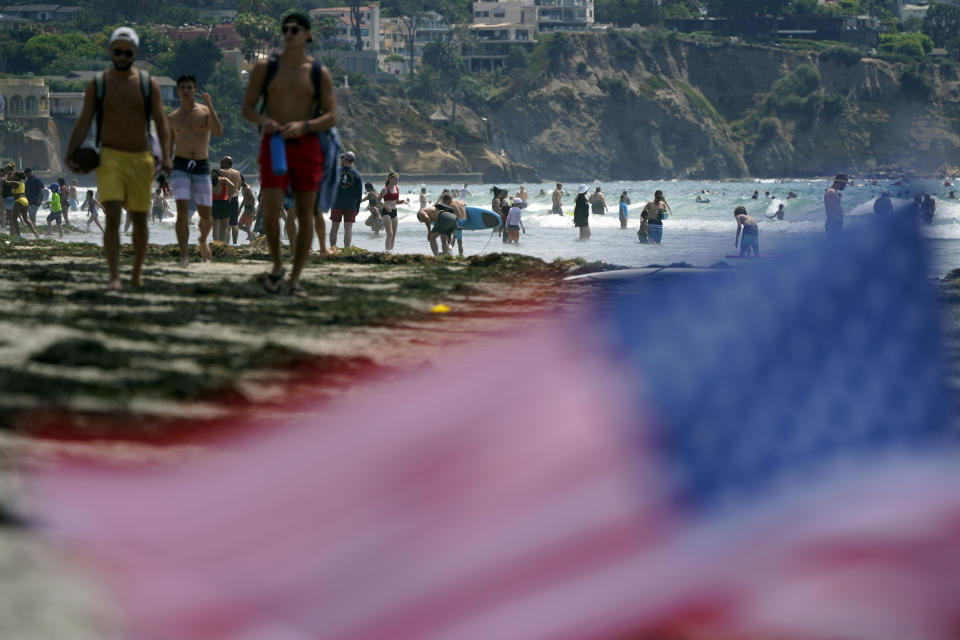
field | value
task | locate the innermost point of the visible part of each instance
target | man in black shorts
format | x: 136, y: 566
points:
x: 443, y: 215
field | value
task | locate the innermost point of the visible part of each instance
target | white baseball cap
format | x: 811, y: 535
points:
x: 125, y: 33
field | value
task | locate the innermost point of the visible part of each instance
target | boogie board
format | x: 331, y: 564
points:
x: 479, y: 219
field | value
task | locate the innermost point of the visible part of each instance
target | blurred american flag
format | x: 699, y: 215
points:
x: 767, y: 452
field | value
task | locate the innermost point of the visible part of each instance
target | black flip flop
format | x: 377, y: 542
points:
x: 271, y: 284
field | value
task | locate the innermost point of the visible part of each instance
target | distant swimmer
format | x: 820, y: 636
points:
x: 882, y: 206
x: 558, y: 199
x: 832, y: 206
x: 522, y: 194
x: 598, y: 204
x: 702, y: 200
x: 952, y: 196
x: 791, y: 195
x: 756, y: 194
x: 778, y: 214
x: 750, y: 240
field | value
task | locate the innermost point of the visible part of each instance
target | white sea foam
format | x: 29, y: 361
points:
x: 698, y: 234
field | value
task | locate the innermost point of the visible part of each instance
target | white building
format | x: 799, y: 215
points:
x: 497, y: 27
x: 564, y: 15
x: 369, y: 25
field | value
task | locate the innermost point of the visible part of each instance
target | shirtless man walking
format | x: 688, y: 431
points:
x: 192, y: 125
x: 289, y: 111
x: 125, y: 173
x: 233, y: 194
x: 557, y: 199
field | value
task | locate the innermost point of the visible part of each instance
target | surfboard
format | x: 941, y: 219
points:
x: 479, y: 219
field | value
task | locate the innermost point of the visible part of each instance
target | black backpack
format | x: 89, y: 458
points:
x: 329, y: 140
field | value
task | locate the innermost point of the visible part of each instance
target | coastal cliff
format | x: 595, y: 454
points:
x: 648, y: 104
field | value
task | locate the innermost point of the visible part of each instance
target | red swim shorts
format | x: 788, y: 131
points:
x: 347, y: 215
x: 304, y: 164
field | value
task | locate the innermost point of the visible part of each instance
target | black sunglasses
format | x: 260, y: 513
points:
x: 126, y: 53
x: 292, y: 29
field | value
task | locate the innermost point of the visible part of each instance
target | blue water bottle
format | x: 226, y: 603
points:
x: 278, y: 155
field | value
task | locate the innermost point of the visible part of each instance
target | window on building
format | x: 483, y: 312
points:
x: 522, y: 34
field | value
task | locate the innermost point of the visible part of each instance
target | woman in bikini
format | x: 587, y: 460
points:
x: 390, y: 195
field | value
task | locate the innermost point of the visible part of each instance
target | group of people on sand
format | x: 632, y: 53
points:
x: 24, y: 193
x: 292, y: 108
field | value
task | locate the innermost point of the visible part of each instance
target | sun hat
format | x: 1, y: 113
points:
x: 582, y: 189
x: 125, y: 33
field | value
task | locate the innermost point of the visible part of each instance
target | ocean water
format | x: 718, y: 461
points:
x: 695, y: 234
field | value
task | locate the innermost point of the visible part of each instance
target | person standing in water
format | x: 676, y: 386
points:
x: 624, y: 209
x: 233, y: 197
x: 93, y: 206
x: 390, y: 197
x: 883, y: 206
x: 778, y: 214
x: 248, y: 209
x: 598, y: 203
x: 832, y: 205
x: 558, y: 199
x: 656, y: 211
x: 581, y: 213
x: 750, y: 241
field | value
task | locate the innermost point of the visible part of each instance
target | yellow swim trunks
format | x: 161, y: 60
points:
x: 125, y: 176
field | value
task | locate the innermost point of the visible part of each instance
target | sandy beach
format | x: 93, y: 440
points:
x: 155, y: 375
